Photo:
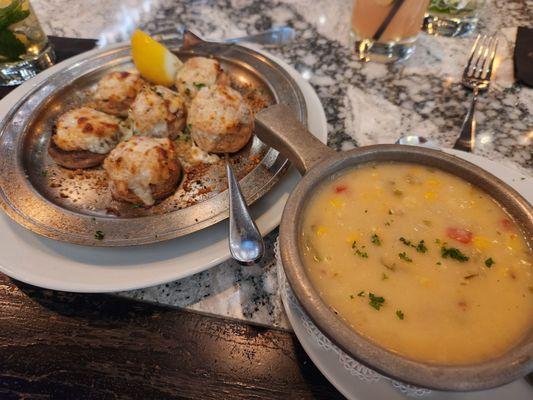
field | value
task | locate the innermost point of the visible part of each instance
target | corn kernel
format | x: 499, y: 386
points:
x: 481, y: 242
x: 430, y: 195
x: 320, y: 230
x: 337, y: 202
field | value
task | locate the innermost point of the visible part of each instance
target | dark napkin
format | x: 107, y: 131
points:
x: 523, y: 56
x: 64, y: 48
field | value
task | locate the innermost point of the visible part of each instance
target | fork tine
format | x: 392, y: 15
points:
x: 476, y: 68
x: 492, y: 57
x: 472, y: 52
x: 486, y: 52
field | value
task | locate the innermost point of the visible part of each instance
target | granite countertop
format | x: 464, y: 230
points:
x: 364, y: 103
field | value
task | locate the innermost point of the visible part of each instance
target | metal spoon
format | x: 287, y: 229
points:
x: 414, y: 140
x: 245, y: 241
x: 272, y: 37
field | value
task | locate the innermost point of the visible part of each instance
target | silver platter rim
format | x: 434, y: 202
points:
x: 26, y: 206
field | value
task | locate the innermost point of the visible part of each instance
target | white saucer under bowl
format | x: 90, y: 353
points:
x: 357, y: 382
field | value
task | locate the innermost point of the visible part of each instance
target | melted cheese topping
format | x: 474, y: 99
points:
x: 198, y: 155
x: 86, y: 129
x: 218, y: 110
x: 140, y: 162
x: 157, y: 112
x: 119, y: 86
x: 196, y: 73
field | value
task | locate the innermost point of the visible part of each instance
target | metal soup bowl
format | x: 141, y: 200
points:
x: 277, y: 127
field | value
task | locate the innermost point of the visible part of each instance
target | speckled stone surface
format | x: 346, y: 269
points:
x: 364, y: 103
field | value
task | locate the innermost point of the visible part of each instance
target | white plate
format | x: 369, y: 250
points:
x: 55, y: 265
x: 331, y: 363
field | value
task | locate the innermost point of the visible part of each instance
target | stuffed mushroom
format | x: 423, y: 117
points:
x: 220, y: 120
x: 199, y: 72
x: 83, y: 137
x: 142, y: 170
x: 116, y: 92
x: 158, y: 112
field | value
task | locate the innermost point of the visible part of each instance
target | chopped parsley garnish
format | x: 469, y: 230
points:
x: 405, y: 241
x: 358, y: 251
x: 489, y: 262
x: 361, y: 293
x: 376, y: 240
x: 187, y: 91
x: 137, y: 206
x: 454, y: 253
x: 375, y: 301
x: 99, y: 235
x: 405, y: 257
x: 362, y: 254
x: 420, y: 247
x: 187, y: 129
x: 399, y: 314
x: 44, y: 172
x: 384, y: 276
x: 198, y: 85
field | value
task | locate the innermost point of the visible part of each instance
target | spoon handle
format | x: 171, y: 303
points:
x: 245, y: 241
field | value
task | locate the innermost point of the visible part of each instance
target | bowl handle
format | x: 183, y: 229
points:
x: 278, y: 127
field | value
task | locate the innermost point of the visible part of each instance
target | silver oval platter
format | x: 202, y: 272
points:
x: 77, y: 207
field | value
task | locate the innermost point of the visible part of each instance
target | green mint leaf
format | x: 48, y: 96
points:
x: 12, y: 14
x: 10, y: 46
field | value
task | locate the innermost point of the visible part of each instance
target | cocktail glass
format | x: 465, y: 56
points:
x: 24, y: 47
x: 452, y: 17
x: 386, y: 30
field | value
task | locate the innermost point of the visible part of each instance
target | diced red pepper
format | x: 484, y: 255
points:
x: 507, y: 224
x: 341, y: 188
x: 459, y: 234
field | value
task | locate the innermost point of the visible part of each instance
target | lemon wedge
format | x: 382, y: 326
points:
x: 153, y: 60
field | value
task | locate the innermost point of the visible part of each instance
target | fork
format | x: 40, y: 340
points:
x: 476, y: 76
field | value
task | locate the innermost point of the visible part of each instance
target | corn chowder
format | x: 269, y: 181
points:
x: 420, y: 262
